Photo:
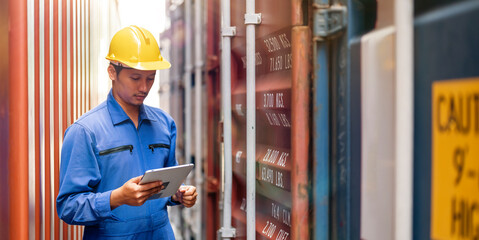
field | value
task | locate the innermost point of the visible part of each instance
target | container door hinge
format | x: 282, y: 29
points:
x: 226, y: 233
x: 329, y: 20
x: 254, y: 18
x: 228, y: 31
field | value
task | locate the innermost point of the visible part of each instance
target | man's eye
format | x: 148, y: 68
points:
x: 151, y: 79
x: 136, y: 79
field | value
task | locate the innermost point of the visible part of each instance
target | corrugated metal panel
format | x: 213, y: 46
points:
x: 32, y: 69
x: 41, y: 127
x: 41, y: 83
x: 38, y: 215
x: 213, y: 158
x: 4, y: 118
x: 56, y: 121
x: 49, y: 110
x: 65, y: 83
x: 16, y: 110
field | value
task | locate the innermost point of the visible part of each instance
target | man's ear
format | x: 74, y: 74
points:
x: 111, y: 72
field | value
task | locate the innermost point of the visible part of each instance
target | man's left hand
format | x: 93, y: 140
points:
x: 186, y: 195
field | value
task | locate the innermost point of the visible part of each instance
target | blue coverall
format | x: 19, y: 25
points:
x: 101, y: 151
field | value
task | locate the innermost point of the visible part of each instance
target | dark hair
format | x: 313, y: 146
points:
x: 117, y: 68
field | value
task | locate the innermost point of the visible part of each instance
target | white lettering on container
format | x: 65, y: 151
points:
x: 269, y: 229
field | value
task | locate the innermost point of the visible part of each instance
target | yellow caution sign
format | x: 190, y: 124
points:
x: 455, y: 159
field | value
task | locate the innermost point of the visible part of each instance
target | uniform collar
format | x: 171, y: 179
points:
x: 118, y: 115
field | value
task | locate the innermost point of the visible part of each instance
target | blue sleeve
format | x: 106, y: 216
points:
x: 78, y: 202
x: 172, y: 157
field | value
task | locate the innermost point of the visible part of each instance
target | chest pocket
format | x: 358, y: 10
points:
x: 159, y: 153
x: 116, y: 149
x: 118, y: 159
x: 158, y: 145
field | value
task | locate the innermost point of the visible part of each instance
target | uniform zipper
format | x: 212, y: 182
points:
x: 117, y: 149
x: 158, y: 145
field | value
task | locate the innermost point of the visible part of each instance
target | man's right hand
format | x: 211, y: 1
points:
x: 134, y: 194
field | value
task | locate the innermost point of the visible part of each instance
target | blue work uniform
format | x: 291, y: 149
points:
x: 101, y: 151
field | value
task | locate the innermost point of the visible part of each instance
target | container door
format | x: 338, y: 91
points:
x: 273, y: 120
x: 446, y: 125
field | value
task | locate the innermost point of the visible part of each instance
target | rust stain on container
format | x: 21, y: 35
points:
x: 296, y: 13
x: 300, y: 137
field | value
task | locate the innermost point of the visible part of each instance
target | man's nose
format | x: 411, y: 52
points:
x: 143, y: 85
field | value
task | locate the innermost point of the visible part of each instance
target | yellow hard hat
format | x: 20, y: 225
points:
x: 137, y: 48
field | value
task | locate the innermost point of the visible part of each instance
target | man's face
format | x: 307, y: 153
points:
x: 131, y: 86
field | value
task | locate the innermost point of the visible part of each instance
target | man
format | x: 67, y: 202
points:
x: 106, y: 151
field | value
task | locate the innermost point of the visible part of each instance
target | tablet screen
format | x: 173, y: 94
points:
x: 172, y: 178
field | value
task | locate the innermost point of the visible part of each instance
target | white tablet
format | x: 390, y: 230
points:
x: 172, y: 178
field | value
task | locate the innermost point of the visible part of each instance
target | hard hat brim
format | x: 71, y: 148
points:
x: 156, y: 65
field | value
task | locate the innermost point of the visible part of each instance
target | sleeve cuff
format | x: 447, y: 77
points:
x: 102, y: 205
x: 171, y: 202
